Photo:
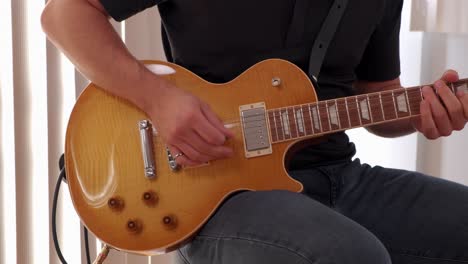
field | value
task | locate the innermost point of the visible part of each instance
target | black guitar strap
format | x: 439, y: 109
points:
x: 324, y: 37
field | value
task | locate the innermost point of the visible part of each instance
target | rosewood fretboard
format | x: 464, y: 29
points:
x: 329, y: 116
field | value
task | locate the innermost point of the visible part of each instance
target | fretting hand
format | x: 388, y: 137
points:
x: 441, y: 116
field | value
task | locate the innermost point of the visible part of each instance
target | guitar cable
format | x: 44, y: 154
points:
x: 62, y: 177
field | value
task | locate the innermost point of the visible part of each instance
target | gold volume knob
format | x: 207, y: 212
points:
x: 116, y: 203
x: 169, y: 221
x: 134, y: 226
x: 150, y: 198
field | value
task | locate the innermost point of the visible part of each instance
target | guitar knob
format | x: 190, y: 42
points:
x: 134, y: 226
x: 169, y: 221
x: 150, y: 198
x: 116, y: 204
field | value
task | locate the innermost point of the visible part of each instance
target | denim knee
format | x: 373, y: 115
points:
x: 281, y: 227
x: 358, y: 246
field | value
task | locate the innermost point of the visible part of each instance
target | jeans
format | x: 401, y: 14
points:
x: 348, y: 213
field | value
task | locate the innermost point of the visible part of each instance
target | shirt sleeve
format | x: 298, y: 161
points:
x: 381, y: 59
x: 123, y: 9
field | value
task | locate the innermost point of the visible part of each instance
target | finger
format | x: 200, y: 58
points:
x: 213, y: 151
x: 181, y: 160
x: 215, y: 121
x: 439, y: 113
x: 450, y: 76
x: 426, y: 123
x: 452, y: 105
x: 463, y: 97
x: 192, y: 153
x: 210, y: 134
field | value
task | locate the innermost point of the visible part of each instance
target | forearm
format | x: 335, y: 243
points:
x: 392, y: 129
x: 83, y: 32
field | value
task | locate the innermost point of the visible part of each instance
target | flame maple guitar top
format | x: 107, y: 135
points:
x: 105, y: 167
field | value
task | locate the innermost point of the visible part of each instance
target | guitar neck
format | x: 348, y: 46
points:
x: 325, y: 117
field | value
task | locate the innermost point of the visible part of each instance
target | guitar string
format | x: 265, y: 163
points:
x: 378, y: 96
x: 351, y: 106
x: 343, y: 102
x: 310, y: 129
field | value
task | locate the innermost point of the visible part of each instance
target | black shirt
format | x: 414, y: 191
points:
x: 219, y: 39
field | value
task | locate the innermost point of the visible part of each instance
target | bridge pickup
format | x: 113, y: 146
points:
x: 255, y: 130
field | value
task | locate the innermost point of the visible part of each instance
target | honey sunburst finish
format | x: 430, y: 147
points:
x: 104, y: 161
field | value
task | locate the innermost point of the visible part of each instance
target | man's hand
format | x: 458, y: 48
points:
x: 191, y: 130
x: 441, y: 116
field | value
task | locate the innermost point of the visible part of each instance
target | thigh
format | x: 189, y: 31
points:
x: 281, y: 227
x: 419, y: 218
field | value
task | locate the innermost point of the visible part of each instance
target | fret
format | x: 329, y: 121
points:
x: 375, y: 106
x: 273, y: 131
x: 333, y: 115
x: 343, y: 113
x: 359, y: 113
x: 337, y: 114
x: 394, y: 105
x: 316, y: 119
x: 370, y: 109
x: 328, y: 116
x: 414, y: 99
x: 299, y: 121
x: 285, y: 123
x: 364, y: 113
x: 322, y: 111
x: 401, y: 104
x: 353, y: 111
x: 292, y: 122
x: 388, y: 105
x: 407, y: 100
x: 309, y: 127
x: 381, y: 105
x: 277, y: 115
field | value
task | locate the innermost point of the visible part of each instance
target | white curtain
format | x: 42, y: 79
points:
x: 424, y: 57
x: 444, y: 31
x: 447, y: 16
x: 38, y: 87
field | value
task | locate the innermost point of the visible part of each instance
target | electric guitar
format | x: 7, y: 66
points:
x: 128, y: 189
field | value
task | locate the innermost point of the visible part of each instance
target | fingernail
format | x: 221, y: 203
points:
x: 426, y: 89
x: 439, y: 84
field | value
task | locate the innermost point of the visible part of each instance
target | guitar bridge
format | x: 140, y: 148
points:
x: 255, y: 130
x: 146, y: 138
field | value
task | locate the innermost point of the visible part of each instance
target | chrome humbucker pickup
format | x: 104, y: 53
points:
x: 255, y: 130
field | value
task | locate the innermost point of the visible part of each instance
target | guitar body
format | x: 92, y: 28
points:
x: 105, y: 167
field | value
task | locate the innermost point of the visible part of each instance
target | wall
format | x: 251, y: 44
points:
x: 401, y: 152
x: 444, y: 157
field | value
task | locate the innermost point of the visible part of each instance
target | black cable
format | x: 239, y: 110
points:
x: 61, y: 178
x: 54, y: 214
x: 88, y: 257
